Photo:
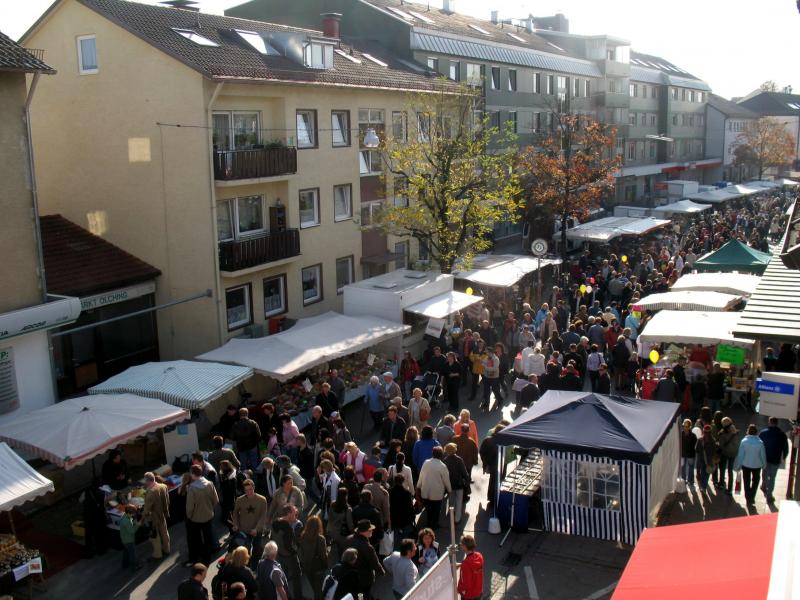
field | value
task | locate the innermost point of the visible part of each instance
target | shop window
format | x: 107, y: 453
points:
x: 312, y: 284
x: 238, y: 306
x: 597, y: 486
x: 275, y: 296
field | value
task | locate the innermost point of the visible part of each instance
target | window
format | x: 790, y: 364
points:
x: 495, y: 78
x: 654, y: 92
x: 644, y: 91
x: 318, y: 56
x: 400, y: 126
x: 195, y: 37
x: 550, y: 82
x: 613, y: 86
x: 344, y: 273
x: 275, y: 296
x: 512, y: 119
x: 306, y: 129
x: 238, y: 307
x: 235, y: 130
x: 369, y: 162
x: 700, y: 97
x: 401, y: 252
x: 674, y: 93
x: 701, y: 120
x: 675, y: 119
x: 643, y: 117
x: 255, y: 41
x: 691, y: 95
x: 683, y: 94
x: 691, y: 120
x: 240, y: 217
x: 512, y: 80
x: 423, y: 127
x: 631, y: 151
x: 536, y: 122
x: 633, y: 90
x: 640, y: 150
x: 455, y: 70
x: 474, y: 74
x: 424, y: 253
x: 631, y: 118
x: 370, y: 159
x: 537, y: 83
x: 309, y: 208
x: 370, y: 212
x: 652, y: 149
x: 587, y: 88
x: 400, y: 190
x: 342, y: 202
x: 597, y: 486
x: 652, y: 120
x: 698, y: 148
x: 312, y: 284
x: 562, y: 84
x: 87, y: 55
x: 340, y: 128
x: 433, y: 63
x: 620, y: 147
x: 576, y: 88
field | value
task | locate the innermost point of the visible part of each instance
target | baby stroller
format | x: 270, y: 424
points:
x: 428, y: 382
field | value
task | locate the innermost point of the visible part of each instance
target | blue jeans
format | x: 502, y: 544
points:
x: 128, y: 556
x: 770, y: 471
x: 249, y: 459
x: 687, y: 470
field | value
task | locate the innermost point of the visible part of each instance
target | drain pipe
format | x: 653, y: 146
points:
x: 213, y: 197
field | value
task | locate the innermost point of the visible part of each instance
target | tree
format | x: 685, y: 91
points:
x: 569, y: 171
x: 763, y: 144
x: 454, y: 178
x: 768, y: 86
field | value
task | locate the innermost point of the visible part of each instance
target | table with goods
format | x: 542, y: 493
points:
x: 521, y: 489
x: 17, y: 562
x: 117, y: 501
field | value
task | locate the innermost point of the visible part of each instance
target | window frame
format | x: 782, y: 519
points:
x: 372, y: 207
x: 231, y: 115
x: 321, y: 296
x: 537, y: 83
x: 248, y: 304
x: 405, y: 244
x: 593, y: 472
x: 433, y: 63
x: 316, y: 208
x: 512, y: 80
x: 81, y: 70
x: 351, y: 260
x: 495, y: 83
x: 346, y: 134
x: 587, y: 88
x: 284, y: 295
x: 315, y: 129
x: 403, y: 124
x: 454, y: 64
x: 349, y: 217
x: 550, y: 85
x: 471, y: 78
x: 233, y: 214
x: 513, y: 117
x: 633, y: 90
x: 369, y: 152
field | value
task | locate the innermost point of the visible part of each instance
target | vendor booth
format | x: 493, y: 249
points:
x: 608, y: 462
x: 602, y: 231
x: 682, y: 207
x: 692, y: 327
x: 734, y: 256
x: 717, y: 196
x: 688, y: 300
x: 726, y: 283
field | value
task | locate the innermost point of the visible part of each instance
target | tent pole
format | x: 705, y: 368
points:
x: 500, y: 454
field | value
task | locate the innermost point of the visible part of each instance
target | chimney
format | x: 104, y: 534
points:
x: 495, y: 16
x: 449, y: 6
x: 529, y: 24
x: 184, y: 4
x: 330, y: 24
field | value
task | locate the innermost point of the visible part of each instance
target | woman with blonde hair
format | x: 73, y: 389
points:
x: 464, y: 419
x: 313, y: 552
x: 236, y: 570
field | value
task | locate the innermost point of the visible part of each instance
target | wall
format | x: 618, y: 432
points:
x: 104, y: 162
x: 32, y: 370
x: 18, y: 247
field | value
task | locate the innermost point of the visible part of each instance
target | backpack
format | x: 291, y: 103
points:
x: 329, y: 586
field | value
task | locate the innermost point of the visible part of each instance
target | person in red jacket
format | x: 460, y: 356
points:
x: 470, y: 578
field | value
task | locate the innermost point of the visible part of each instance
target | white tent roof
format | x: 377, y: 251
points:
x: 762, y: 183
x: 741, y: 190
x: 182, y: 383
x: 713, y: 196
x: 788, y: 182
x: 19, y: 482
x: 726, y: 283
x: 310, y: 342
x: 603, y: 230
x: 505, y: 271
x: 688, y: 300
x: 692, y: 327
x: 682, y: 207
x: 74, y: 431
x: 443, y: 305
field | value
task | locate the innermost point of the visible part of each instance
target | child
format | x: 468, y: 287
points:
x: 128, y: 525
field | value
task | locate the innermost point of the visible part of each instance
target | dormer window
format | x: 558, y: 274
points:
x: 195, y: 37
x: 318, y: 56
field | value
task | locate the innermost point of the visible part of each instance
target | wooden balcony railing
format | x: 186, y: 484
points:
x: 230, y: 165
x: 254, y: 251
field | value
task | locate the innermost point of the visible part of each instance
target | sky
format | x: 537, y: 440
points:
x: 734, y: 45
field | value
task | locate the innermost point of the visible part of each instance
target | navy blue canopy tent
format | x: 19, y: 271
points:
x: 609, y: 461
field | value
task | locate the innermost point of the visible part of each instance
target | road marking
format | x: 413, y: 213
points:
x: 600, y: 593
x: 532, y: 591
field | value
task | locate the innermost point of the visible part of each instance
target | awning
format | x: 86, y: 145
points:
x: 503, y: 270
x: 741, y: 190
x: 787, y: 182
x: 182, y: 383
x: 683, y: 207
x: 57, y: 311
x: 692, y: 327
x: 713, y: 196
x: 19, y: 482
x: 443, y: 305
x: 310, y: 342
x: 711, y: 301
x: 726, y: 283
x: 603, y: 230
x: 74, y: 431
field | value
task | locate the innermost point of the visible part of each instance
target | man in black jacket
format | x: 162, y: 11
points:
x: 327, y: 400
x: 193, y: 588
x: 366, y: 511
x: 246, y: 433
x: 393, y: 427
x: 459, y: 480
x: 285, y: 532
x: 317, y: 424
x: 529, y: 394
x: 367, y: 564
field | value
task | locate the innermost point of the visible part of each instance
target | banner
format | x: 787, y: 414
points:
x: 436, y: 584
x: 778, y: 394
x: 434, y: 327
x: 730, y: 354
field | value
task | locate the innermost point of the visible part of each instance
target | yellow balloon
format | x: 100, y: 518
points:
x: 654, y: 356
x: 624, y: 258
x: 469, y: 291
x: 583, y: 289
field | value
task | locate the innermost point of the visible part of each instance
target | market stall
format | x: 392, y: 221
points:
x: 604, y: 230
x: 716, y: 196
x: 734, y: 256
x: 682, y: 207
x: 725, y: 283
x: 691, y: 327
x: 688, y: 300
x: 607, y: 477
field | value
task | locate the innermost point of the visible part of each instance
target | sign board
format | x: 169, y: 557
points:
x: 435, y: 327
x: 777, y: 394
x: 730, y: 354
x: 115, y: 296
x: 42, y: 316
x: 436, y: 584
x: 539, y: 247
x: 9, y: 398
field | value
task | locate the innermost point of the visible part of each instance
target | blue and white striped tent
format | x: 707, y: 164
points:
x: 609, y: 461
x: 183, y: 383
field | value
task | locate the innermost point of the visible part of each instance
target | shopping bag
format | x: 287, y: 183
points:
x: 737, y: 487
x: 386, y: 547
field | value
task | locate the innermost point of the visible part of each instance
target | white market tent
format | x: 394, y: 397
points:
x: 19, y: 482
x: 693, y: 327
x: 689, y: 300
x: 443, y: 305
x: 788, y: 182
x: 74, y: 431
x: 762, y: 183
x: 502, y: 270
x: 713, y: 196
x: 725, y: 283
x: 310, y: 342
x: 183, y: 383
x: 742, y: 190
x: 603, y: 230
x: 682, y: 207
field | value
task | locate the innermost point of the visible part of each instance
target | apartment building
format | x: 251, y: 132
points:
x: 782, y: 107
x: 228, y: 154
x: 725, y: 121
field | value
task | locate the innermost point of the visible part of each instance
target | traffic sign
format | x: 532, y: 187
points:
x: 539, y: 247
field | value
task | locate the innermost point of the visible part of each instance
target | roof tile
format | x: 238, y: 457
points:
x: 14, y: 57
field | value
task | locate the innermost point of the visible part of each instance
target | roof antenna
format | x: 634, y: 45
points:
x: 184, y: 4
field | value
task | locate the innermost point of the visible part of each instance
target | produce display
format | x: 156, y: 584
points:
x: 13, y: 554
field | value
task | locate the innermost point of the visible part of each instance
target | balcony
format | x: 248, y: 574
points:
x: 256, y: 251
x: 611, y: 100
x: 612, y: 68
x: 255, y: 163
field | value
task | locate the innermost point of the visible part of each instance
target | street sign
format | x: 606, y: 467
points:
x: 539, y: 247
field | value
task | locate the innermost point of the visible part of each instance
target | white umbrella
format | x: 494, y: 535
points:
x: 19, y: 482
x: 182, y: 383
x: 74, y: 431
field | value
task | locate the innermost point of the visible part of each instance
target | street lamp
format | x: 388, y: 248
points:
x: 371, y: 139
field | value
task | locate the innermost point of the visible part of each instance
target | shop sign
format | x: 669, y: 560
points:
x: 777, y: 394
x: 9, y: 398
x: 115, y: 296
x: 43, y: 316
x: 730, y: 354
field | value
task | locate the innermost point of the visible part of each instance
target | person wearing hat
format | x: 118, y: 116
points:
x: 367, y: 564
x: 728, y: 440
x: 705, y: 453
x: 389, y: 388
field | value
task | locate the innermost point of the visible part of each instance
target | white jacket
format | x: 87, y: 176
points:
x: 434, y: 480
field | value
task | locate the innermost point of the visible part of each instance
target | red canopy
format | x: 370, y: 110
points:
x: 710, y: 559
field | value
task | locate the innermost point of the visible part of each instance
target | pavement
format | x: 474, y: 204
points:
x: 532, y: 566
